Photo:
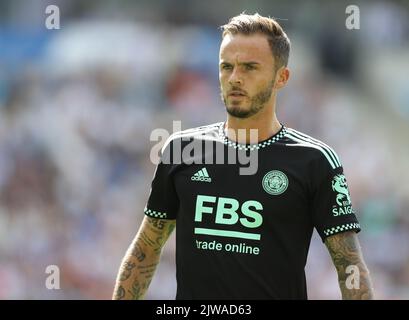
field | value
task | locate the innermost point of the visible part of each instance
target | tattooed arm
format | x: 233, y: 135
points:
x: 353, y: 275
x: 140, y: 261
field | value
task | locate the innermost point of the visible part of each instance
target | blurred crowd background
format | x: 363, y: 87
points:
x: 78, y: 105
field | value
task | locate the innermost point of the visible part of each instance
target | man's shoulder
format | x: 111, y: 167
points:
x: 203, y: 132
x: 318, y: 149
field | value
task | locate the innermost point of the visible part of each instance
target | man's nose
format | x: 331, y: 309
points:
x: 235, y: 77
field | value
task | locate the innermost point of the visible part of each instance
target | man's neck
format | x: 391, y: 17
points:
x: 263, y: 127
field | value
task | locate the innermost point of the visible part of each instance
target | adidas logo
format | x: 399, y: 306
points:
x: 201, y: 175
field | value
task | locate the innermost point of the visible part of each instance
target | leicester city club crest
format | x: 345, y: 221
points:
x: 275, y: 182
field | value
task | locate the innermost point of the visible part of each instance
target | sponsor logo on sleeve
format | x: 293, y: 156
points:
x: 343, y: 198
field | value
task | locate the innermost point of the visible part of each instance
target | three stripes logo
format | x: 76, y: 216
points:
x: 307, y: 141
x: 201, y: 175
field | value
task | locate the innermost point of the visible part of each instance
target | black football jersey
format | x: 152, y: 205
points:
x: 246, y: 236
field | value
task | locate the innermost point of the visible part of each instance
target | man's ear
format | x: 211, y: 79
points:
x: 282, y: 76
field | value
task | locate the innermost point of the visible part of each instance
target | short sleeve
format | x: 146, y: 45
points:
x: 163, y: 202
x: 332, y: 210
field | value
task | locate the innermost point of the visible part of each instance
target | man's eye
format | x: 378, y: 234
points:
x: 226, y: 67
x: 249, y: 67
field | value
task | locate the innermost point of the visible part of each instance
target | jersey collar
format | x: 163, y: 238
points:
x: 262, y: 144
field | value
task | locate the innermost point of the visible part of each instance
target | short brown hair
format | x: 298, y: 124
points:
x: 252, y: 24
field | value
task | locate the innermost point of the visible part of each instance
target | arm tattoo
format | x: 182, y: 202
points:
x: 127, y: 270
x: 135, y: 291
x: 346, y: 253
x: 142, y: 258
x: 138, y: 253
x: 147, y: 272
x: 158, y: 224
x: 120, y: 293
x: 146, y: 240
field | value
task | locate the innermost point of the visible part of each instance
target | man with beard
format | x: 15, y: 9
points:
x: 246, y: 236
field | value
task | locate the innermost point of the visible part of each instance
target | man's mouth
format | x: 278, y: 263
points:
x: 237, y: 94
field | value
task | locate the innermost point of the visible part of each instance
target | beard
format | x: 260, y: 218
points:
x: 257, y: 103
